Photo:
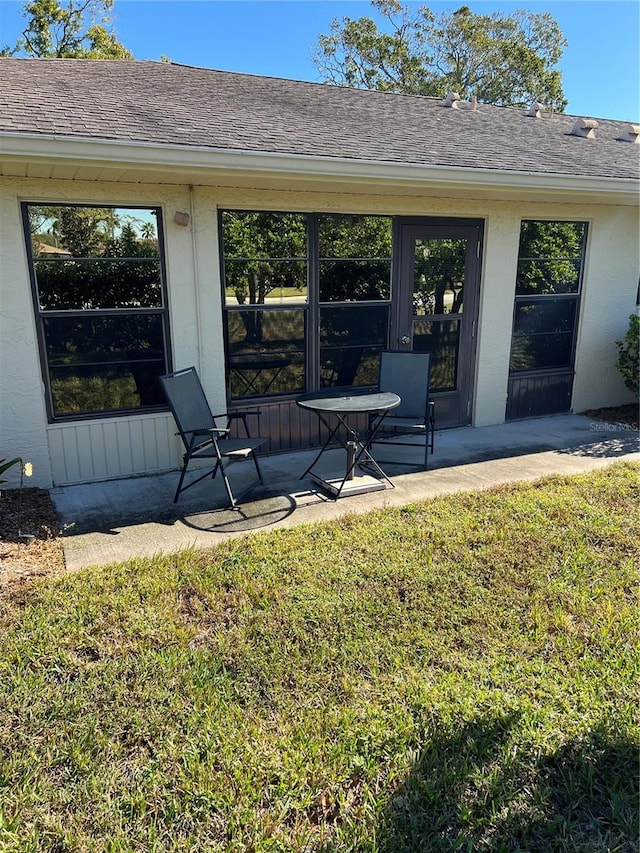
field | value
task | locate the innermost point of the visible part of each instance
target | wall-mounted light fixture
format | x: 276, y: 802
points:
x: 181, y: 218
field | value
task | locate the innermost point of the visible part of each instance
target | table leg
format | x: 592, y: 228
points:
x: 332, y: 432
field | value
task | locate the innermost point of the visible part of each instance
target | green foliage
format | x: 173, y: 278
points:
x: 459, y: 674
x: 355, y: 257
x: 550, y: 257
x: 263, y: 252
x: 60, y: 30
x: 629, y: 355
x: 439, y: 268
x: 500, y: 59
x: 111, y: 263
x: 6, y: 464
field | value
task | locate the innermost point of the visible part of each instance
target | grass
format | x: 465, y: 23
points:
x: 455, y: 675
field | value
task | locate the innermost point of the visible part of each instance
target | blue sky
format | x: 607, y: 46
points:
x: 276, y: 37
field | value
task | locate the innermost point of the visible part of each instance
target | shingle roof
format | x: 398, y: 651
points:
x: 169, y: 104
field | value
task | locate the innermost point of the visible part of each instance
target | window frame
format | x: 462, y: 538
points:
x: 41, y: 315
x: 542, y: 298
x: 312, y: 305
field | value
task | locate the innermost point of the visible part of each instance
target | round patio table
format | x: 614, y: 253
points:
x: 344, y: 406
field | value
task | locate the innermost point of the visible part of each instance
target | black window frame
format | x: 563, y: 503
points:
x: 520, y: 299
x: 312, y: 305
x: 41, y: 315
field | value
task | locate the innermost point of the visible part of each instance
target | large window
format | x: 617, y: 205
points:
x: 306, y: 300
x: 550, y: 263
x: 99, y: 294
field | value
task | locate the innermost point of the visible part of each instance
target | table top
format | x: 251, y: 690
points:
x: 347, y: 402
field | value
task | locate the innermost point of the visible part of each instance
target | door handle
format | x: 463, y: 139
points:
x: 405, y: 339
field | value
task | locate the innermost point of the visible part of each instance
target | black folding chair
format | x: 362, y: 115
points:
x: 407, y: 374
x: 202, y: 434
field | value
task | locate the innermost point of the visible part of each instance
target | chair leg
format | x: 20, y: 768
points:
x: 255, y: 462
x: 432, y: 424
x: 219, y: 466
x: 181, y: 480
x: 227, y: 486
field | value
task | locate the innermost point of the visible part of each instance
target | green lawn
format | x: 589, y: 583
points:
x: 455, y: 675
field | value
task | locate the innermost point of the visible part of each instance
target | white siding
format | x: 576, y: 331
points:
x: 111, y: 448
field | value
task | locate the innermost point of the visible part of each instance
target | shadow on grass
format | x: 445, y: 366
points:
x: 476, y: 790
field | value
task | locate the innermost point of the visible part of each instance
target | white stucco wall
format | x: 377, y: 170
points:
x: 104, y: 448
x: 608, y: 299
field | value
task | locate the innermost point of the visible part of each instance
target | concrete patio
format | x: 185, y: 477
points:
x: 121, y: 519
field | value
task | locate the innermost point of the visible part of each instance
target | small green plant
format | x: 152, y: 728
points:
x: 629, y: 355
x: 6, y: 464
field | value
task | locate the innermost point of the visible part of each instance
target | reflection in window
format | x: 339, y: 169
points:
x: 354, y: 257
x: 265, y: 257
x: 99, y: 298
x: 542, y: 334
x: 550, y: 257
x: 442, y: 339
x: 268, y: 260
x: 266, y: 351
x: 439, y: 269
x: 351, y: 339
x: 550, y: 264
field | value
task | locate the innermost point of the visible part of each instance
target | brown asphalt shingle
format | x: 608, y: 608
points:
x: 169, y: 104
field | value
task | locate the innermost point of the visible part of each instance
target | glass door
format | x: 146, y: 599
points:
x: 436, y: 308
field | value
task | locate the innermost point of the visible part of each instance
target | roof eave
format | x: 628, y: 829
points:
x: 190, y: 160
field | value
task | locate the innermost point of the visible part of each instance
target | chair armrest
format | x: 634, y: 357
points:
x: 210, y: 430
x: 241, y: 415
x: 238, y: 413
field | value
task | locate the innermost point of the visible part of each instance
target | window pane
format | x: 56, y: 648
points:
x: 265, y: 256
x: 538, y: 276
x: 88, y: 261
x: 355, y: 257
x: 266, y: 352
x: 265, y: 282
x: 550, y: 257
x: 351, y: 339
x: 65, y: 285
x: 354, y: 280
x: 442, y: 339
x: 104, y: 363
x: 59, y: 231
x: 543, y: 316
x: 439, y: 270
x: 343, y: 366
x: 543, y: 334
x: 537, y: 352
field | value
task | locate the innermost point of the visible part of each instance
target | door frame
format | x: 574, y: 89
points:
x: 453, y: 408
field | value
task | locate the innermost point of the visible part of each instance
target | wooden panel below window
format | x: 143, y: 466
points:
x: 532, y: 396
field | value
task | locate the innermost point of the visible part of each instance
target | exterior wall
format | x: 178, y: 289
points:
x: 23, y: 420
x: 609, y: 298
x: 115, y: 447
x: 111, y: 447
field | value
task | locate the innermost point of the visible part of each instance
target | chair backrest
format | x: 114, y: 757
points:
x: 187, y: 401
x: 406, y: 374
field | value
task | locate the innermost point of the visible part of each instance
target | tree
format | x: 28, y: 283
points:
x: 61, y: 31
x: 550, y: 257
x: 500, y: 59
